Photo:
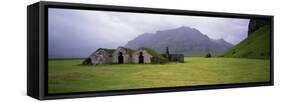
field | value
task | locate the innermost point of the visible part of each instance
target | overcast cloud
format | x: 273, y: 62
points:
x: 77, y: 33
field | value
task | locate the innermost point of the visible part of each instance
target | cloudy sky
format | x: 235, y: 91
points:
x: 77, y: 33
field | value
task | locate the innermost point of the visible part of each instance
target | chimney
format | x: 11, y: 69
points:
x: 167, y: 53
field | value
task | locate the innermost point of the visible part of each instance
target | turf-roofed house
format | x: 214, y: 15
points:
x: 123, y: 55
x: 100, y: 56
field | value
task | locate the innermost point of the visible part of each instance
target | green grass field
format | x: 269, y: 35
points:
x: 68, y: 76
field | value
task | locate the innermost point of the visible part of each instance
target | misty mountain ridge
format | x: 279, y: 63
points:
x: 184, y: 40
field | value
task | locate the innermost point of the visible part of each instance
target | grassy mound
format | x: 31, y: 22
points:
x: 257, y: 45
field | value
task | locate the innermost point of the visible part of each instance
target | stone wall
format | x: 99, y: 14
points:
x: 177, y: 57
x: 174, y: 57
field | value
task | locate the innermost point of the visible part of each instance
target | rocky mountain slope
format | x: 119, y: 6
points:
x: 184, y: 40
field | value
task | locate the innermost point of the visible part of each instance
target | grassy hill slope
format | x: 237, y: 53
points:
x: 257, y: 45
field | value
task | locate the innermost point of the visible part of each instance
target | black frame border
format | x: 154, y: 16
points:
x: 43, y: 49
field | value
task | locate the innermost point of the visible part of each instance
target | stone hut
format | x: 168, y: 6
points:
x: 142, y: 56
x: 177, y: 57
x: 122, y: 55
x: 147, y: 55
x: 173, y: 57
x: 100, y: 56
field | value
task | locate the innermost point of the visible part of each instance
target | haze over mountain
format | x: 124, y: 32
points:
x: 78, y: 33
x: 183, y: 40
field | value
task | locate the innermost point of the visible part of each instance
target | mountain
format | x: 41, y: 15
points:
x: 183, y: 40
x: 257, y: 45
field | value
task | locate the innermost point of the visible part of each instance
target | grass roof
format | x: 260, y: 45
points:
x: 110, y: 51
x: 130, y: 51
x: 156, y: 56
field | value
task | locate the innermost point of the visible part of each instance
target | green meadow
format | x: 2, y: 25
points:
x: 69, y: 76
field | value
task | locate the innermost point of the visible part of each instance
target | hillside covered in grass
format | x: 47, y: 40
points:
x: 257, y: 45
